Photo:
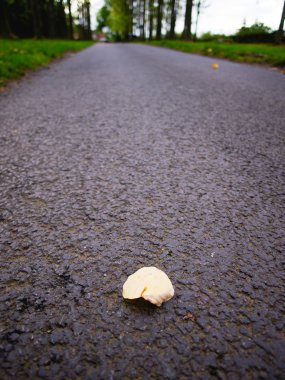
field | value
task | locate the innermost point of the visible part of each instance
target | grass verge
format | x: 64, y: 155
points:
x: 19, y: 56
x: 250, y: 53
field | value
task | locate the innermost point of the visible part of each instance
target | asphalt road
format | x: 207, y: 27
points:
x: 125, y: 156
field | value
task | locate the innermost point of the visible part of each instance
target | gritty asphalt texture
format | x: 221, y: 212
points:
x: 125, y: 156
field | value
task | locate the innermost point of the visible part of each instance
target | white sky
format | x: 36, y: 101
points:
x: 226, y: 16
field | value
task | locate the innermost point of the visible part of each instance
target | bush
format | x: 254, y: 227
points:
x: 255, y: 38
x: 257, y: 32
x: 257, y: 28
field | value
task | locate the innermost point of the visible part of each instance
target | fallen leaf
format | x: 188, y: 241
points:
x: 150, y: 283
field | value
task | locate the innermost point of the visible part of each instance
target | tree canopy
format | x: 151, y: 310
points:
x: 102, y: 17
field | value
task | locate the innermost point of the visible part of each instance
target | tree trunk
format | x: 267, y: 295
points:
x: 279, y: 35
x: 131, y: 16
x: 5, y: 30
x: 143, y: 20
x: 62, y: 24
x: 83, y: 27
x: 188, y: 20
x: 51, y: 29
x: 150, y: 19
x: 37, y: 18
x: 198, y: 5
x: 172, y: 19
x: 159, y: 19
x: 89, y: 36
x: 70, y: 20
x: 139, y: 6
x: 127, y: 26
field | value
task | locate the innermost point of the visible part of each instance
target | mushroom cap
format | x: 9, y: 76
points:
x: 150, y: 283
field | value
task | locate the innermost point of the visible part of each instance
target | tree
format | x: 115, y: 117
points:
x: 131, y: 15
x: 200, y: 4
x: 70, y: 20
x: 173, y: 14
x: 139, y: 13
x: 5, y: 30
x: 102, y: 17
x: 159, y: 19
x: 37, y: 12
x: 51, y: 19
x: 119, y: 18
x: 151, y: 14
x: 142, y: 26
x: 89, y: 33
x: 188, y: 20
x: 61, y: 24
x: 280, y: 32
x: 84, y: 19
x: 36, y: 18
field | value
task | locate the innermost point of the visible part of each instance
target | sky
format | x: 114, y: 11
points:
x: 227, y: 16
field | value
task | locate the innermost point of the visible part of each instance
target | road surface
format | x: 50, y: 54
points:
x: 125, y: 156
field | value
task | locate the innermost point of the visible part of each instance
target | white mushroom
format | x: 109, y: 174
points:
x: 150, y: 283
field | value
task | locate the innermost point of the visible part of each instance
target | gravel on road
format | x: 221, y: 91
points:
x: 126, y: 156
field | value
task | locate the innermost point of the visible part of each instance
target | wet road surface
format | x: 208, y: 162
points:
x: 125, y: 156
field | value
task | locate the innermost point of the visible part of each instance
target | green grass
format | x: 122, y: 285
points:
x: 18, y: 56
x: 251, y: 53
